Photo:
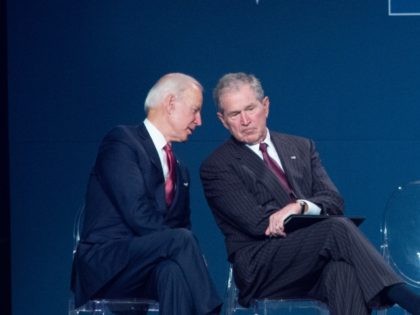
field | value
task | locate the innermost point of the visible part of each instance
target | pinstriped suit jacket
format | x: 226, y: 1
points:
x: 242, y: 193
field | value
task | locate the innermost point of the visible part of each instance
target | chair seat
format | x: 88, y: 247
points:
x: 111, y: 306
x: 281, y: 306
x: 270, y: 306
x: 289, y: 306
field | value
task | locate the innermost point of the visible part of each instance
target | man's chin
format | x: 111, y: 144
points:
x: 180, y: 139
x: 249, y: 140
x: 184, y: 139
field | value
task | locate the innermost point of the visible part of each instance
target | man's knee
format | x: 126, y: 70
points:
x: 340, y: 226
x: 182, y: 233
x: 183, y: 237
x: 340, y: 222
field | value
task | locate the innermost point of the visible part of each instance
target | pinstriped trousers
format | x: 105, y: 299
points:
x: 331, y: 261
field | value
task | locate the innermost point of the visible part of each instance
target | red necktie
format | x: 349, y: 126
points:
x: 170, y: 181
x: 276, y: 169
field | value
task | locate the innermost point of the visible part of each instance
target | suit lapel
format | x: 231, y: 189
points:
x: 249, y: 160
x: 153, y: 155
x: 181, y: 177
x: 288, y: 157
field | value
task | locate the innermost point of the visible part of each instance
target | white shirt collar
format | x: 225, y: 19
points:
x: 270, y: 149
x: 157, y: 137
x: 256, y: 147
x: 159, y: 141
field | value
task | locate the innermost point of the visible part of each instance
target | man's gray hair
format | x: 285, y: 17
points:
x: 233, y: 81
x: 172, y: 83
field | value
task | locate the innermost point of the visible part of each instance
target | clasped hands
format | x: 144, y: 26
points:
x: 276, y: 220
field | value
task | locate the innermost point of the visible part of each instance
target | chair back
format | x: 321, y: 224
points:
x: 401, y: 232
x: 77, y: 227
x: 106, y: 306
x: 231, y: 299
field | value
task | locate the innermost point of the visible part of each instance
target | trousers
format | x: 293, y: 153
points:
x: 167, y: 266
x: 331, y: 261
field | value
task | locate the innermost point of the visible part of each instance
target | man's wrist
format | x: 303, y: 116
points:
x: 303, y: 206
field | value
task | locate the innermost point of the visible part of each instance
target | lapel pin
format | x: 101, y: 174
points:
x: 293, y: 157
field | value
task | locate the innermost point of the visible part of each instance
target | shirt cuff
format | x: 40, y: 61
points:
x: 313, y: 209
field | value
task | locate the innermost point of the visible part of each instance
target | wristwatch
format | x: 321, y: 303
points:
x: 303, y: 206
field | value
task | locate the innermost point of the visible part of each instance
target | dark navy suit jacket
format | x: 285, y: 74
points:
x: 125, y: 199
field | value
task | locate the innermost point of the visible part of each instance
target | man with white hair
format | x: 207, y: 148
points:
x: 136, y: 239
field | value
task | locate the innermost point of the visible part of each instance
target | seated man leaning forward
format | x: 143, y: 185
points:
x: 136, y: 240
x: 259, y: 177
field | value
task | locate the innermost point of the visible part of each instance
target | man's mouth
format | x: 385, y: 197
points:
x: 248, y: 131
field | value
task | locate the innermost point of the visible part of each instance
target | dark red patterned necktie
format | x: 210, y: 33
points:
x: 276, y: 169
x: 170, y: 181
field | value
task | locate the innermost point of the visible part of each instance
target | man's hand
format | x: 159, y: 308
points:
x: 276, y: 220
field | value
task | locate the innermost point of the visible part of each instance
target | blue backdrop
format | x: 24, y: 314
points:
x: 341, y: 72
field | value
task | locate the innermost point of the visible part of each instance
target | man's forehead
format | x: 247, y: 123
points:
x: 239, y: 97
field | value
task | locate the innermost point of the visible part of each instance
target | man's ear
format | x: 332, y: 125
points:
x: 266, y: 104
x: 169, y: 103
x: 222, y: 119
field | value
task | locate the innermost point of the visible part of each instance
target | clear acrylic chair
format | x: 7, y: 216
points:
x: 269, y: 306
x: 400, y: 233
x: 107, y: 306
x: 115, y: 306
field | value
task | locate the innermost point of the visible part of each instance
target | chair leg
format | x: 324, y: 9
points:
x: 256, y: 308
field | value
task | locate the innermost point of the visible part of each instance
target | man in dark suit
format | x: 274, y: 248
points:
x: 136, y: 239
x: 259, y: 177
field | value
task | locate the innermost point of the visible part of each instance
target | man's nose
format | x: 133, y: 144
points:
x: 244, y: 118
x: 197, y: 119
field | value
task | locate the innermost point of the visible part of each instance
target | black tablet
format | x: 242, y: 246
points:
x: 298, y: 221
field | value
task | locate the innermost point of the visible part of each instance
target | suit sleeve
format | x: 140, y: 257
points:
x: 229, y: 191
x: 125, y: 184
x: 318, y: 186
